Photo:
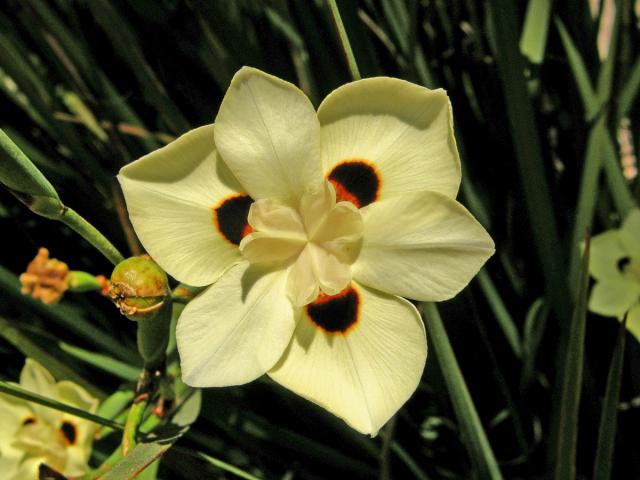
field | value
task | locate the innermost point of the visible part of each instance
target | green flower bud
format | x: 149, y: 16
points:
x: 23, y: 179
x: 139, y: 287
x: 76, y: 106
x: 84, y: 282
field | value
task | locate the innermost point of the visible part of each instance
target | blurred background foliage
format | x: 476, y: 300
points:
x: 547, y: 141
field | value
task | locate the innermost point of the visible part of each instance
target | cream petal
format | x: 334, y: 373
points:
x: 333, y: 275
x: 280, y: 233
x: 263, y: 248
x: 10, y: 462
x: 13, y: 412
x: 77, y: 460
x: 28, y: 469
x: 37, y: 379
x: 630, y: 234
x: 268, y: 133
x: 403, y: 129
x: 606, y: 250
x: 236, y: 329
x: 171, y: 197
x: 423, y: 246
x: 364, y: 375
x: 316, y: 269
x: 613, y: 298
x: 315, y: 205
x: 302, y: 280
x: 270, y: 216
x: 78, y: 453
x: 633, y: 322
x: 74, y: 395
x: 342, y: 227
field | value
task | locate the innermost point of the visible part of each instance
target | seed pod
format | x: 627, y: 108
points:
x: 139, y: 288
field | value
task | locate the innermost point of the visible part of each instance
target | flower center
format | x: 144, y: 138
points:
x: 318, y: 241
x: 38, y: 438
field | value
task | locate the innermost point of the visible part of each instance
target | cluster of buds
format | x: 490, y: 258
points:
x: 46, y: 279
x: 627, y: 155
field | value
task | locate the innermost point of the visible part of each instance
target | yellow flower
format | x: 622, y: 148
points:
x: 309, y: 227
x: 32, y: 434
x: 615, y: 264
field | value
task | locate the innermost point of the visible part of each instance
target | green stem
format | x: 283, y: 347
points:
x: 474, y: 436
x: 134, y: 419
x: 409, y: 462
x: 153, y: 337
x: 19, y: 392
x: 146, y: 426
x: 344, y: 40
x: 91, y: 234
x: 29, y: 185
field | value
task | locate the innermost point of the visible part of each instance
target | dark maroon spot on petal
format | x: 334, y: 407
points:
x: 356, y: 181
x: 335, y: 314
x: 29, y: 421
x: 623, y: 262
x: 45, y: 471
x: 230, y: 216
x: 69, y: 433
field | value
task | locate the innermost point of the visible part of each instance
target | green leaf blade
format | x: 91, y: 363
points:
x: 19, y: 392
x: 480, y: 452
x: 573, y: 365
x: 536, y: 28
x: 608, y: 420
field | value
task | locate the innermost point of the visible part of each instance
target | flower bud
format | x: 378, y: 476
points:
x: 23, y: 179
x: 46, y: 279
x: 84, y: 282
x: 139, y: 288
x: 76, y: 106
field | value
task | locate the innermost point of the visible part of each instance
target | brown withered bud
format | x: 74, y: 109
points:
x: 46, y: 279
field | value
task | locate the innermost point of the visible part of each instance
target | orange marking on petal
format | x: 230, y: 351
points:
x: 343, y: 195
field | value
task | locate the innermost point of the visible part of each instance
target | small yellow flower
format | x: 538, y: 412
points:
x: 31, y: 434
x: 309, y: 228
x: 615, y: 264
